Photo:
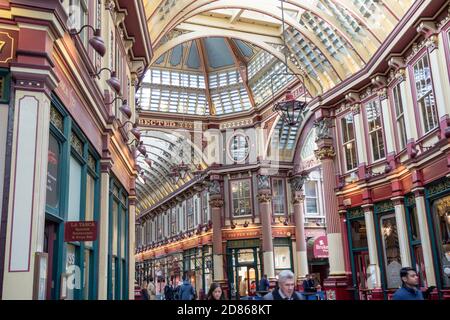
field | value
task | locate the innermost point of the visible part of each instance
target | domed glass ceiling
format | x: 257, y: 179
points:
x: 219, y: 57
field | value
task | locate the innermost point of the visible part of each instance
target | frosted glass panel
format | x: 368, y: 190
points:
x: 74, y: 190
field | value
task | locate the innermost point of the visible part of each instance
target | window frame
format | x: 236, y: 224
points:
x: 418, y: 112
x: 344, y: 143
x: 395, y: 118
x: 283, y: 196
x: 230, y: 182
x: 367, y: 131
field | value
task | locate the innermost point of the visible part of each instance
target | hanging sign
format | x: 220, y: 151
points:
x: 320, y: 249
x: 80, y: 231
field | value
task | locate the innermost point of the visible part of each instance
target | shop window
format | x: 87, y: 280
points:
x: 358, y: 233
x: 399, y: 116
x: 441, y: 217
x: 311, y: 200
x: 205, y: 206
x: 282, y: 258
x: 190, y: 213
x: 414, y: 222
x: 173, y: 221
x: 53, y: 173
x: 278, y: 196
x: 348, y: 141
x: 78, y: 17
x: 391, y: 250
x: 241, y: 197
x: 424, y: 94
x: 374, y: 121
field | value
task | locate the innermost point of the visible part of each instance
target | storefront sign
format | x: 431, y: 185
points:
x: 80, y: 231
x: 320, y: 248
x: 170, y: 124
x: 242, y: 234
x: 8, y: 46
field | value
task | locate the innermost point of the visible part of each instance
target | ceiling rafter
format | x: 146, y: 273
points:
x: 236, y: 16
x: 204, y: 68
x: 241, y: 65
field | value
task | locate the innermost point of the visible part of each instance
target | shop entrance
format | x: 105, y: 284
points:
x: 50, y: 247
x: 243, y: 270
x: 362, y: 263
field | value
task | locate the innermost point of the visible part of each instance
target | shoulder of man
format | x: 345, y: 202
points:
x: 299, y: 295
x: 268, y: 296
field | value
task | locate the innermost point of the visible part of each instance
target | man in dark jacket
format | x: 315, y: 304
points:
x: 169, y: 291
x: 409, y: 289
x: 187, y: 291
x: 264, y: 283
x: 285, y: 291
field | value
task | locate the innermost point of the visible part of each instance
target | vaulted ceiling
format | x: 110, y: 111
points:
x: 220, y: 57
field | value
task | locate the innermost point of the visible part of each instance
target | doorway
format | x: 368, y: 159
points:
x: 362, y: 263
x: 50, y: 246
x: 243, y: 270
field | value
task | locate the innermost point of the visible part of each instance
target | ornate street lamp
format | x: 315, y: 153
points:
x: 290, y: 110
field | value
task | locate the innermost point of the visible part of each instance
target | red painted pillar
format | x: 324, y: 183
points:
x: 338, y: 282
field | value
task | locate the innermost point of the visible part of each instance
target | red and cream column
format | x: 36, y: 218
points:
x: 425, y: 236
x: 216, y: 204
x: 265, y: 211
x: 402, y: 231
x: 299, y: 217
x: 33, y: 85
x: 337, y: 282
x: 374, y: 278
x: 105, y: 176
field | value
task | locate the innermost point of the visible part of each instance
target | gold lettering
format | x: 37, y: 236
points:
x: 2, y: 44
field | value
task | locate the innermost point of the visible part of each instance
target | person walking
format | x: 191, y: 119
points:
x: 215, y: 292
x: 151, y: 288
x: 169, y: 291
x: 187, y: 291
x: 409, y: 289
x: 285, y: 290
x: 264, y: 284
x: 144, y: 291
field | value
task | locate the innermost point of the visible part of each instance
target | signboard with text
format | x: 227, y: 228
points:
x: 80, y: 231
x: 320, y: 248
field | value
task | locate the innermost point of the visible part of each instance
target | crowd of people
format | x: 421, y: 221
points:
x: 284, y: 289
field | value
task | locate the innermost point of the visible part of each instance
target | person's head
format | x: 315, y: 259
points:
x: 150, y: 279
x: 409, y: 276
x: 185, y: 277
x: 286, y: 282
x: 313, y: 276
x: 215, y: 292
x: 265, y: 276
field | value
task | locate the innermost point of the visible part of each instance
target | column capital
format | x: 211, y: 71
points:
x: 32, y: 78
x: 263, y: 183
x: 297, y: 182
x: 298, y: 198
x: 326, y: 152
x: 356, y: 109
x: 323, y: 128
x: 367, y: 207
x: 418, y: 192
x: 264, y: 197
x: 398, y: 200
x: 216, y: 202
x: 106, y: 165
x: 382, y: 94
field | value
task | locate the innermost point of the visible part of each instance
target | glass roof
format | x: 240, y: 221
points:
x: 228, y: 56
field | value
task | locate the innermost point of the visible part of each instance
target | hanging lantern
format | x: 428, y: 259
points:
x: 182, y: 169
x: 290, y: 110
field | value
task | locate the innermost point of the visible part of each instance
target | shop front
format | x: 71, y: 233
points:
x: 438, y: 209
x: 72, y: 195
x: 198, y: 267
x: 243, y: 266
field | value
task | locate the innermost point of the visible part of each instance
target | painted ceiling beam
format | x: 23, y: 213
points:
x: 204, y: 68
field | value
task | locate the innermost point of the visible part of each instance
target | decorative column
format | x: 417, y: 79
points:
x: 23, y: 231
x: 439, y: 71
x: 132, y: 242
x: 265, y: 211
x: 387, y: 123
x: 103, y: 235
x: 337, y: 282
x: 402, y: 231
x: 425, y: 236
x: 373, y: 274
x: 216, y: 204
x: 299, y: 217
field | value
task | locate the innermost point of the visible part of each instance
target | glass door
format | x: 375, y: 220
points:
x: 243, y: 271
x: 362, y: 263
